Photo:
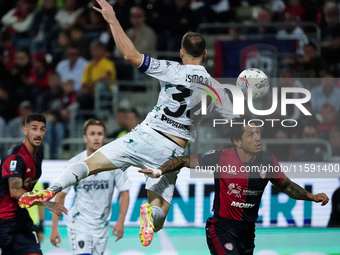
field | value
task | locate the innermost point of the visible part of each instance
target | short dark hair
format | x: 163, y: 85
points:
x: 236, y: 131
x: 35, y: 117
x: 92, y: 122
x: 193, y: 44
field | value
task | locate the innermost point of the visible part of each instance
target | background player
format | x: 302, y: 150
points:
x: 238, y: 194
x: 163, y: 134
x: 20, y: 170
x: 88, y: 227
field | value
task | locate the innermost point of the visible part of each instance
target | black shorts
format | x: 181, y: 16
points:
x: 229, y: 237
x: 18, y: 237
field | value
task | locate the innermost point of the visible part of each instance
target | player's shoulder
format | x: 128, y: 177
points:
x: 78, y: 158
x: 14, y: 151
x: 267, y: 157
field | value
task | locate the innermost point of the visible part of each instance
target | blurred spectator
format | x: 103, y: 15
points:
x: 308, y: 152
x: 20, y: 74
x: 157, y: 18
x: 275, y: 7
x: 47, y: 104
x: 131, y: 121
x: 288, y: 80
x: 330, y: 34
x: 122, y: 10
x: 7, y: 51
x: 69, y: 15
x: 295, y: 9
x: 262, y: 16
x: 99, y: 69
x: 312, y: 65
x: 142, y: 36
x: 305, y: 120
x: 328, y: 121
x: 183, y: 19
x: 72, y: 68
x: 78, y: 40
x: 334, y: 139
x: 94, y: 26
x: 327, y: 92
x: 20, y: 20
x: 120, y: 118
x: 7, y: 106
x: 292, y: 31
x: 14, y: 126
x: 39, y: 73
x: 43, y: 31
x: 59, y: 48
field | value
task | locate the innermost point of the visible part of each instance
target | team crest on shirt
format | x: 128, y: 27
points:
x: 131, y: 144
x: 155, y: 64
x: 13, y: 165
x: 229, y: 246
x: 81, y: 244
x: 210, y: 152
x: 263, y: 173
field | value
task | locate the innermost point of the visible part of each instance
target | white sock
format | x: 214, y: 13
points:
x: 70, y: 176
x: 158, y: 216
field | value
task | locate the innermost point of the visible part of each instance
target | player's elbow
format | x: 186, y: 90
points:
x: 128, y: 57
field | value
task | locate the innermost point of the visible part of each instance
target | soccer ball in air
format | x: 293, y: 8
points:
x: 256, y: 79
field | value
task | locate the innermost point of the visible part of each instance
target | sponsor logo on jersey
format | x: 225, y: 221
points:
x: 131, y: 144
x: 242, y: 205
x: 95, y: 185
x: 13, y: 165
x: 229, y: 246
x: 210, y: 152
x: 174, y: 123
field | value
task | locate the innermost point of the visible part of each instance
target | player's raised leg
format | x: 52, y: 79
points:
x: 152, y: 217
x: 94, y: 164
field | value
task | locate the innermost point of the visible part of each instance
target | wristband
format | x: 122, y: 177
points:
x: 154, y: 172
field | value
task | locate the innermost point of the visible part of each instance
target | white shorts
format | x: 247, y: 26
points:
x: 83, y: 240
x: 146, y: 148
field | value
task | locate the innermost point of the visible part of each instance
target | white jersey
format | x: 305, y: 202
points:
x: 92, y: 205
x: 179, y: 95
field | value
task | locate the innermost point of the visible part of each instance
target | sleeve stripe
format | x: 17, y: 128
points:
x: 145, y: 64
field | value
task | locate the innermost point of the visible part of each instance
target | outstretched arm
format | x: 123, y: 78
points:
x: 295, y: 191
x: 172, y: 165
x: 124, y: 44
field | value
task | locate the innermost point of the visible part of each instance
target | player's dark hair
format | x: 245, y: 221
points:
x: 236, y: 131
x: 193, y: 44
x: 35, y: 117
x: 93, y: 122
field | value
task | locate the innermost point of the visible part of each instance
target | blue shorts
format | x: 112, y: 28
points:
x: 18, y: 237
x: 228, y: 237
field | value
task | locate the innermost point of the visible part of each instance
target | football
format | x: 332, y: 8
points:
x: 256, y: 79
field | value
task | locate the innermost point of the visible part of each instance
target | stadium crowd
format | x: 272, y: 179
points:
x: 53, y: 52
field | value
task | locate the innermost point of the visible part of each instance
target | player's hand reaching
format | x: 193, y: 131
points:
x: 321, y: 197
x: 119, y: 229
x: 153, y: 173
x: 106, y: 10
x: 55, y: 237
x: 54, y: 207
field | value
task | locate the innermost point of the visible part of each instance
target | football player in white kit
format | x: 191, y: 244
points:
x: 88, y: 227
x: 162, y: 135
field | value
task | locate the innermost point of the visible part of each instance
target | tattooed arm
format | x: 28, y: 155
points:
x: 293, y: 190
x: 173, y: 165
x: 15, y: 187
